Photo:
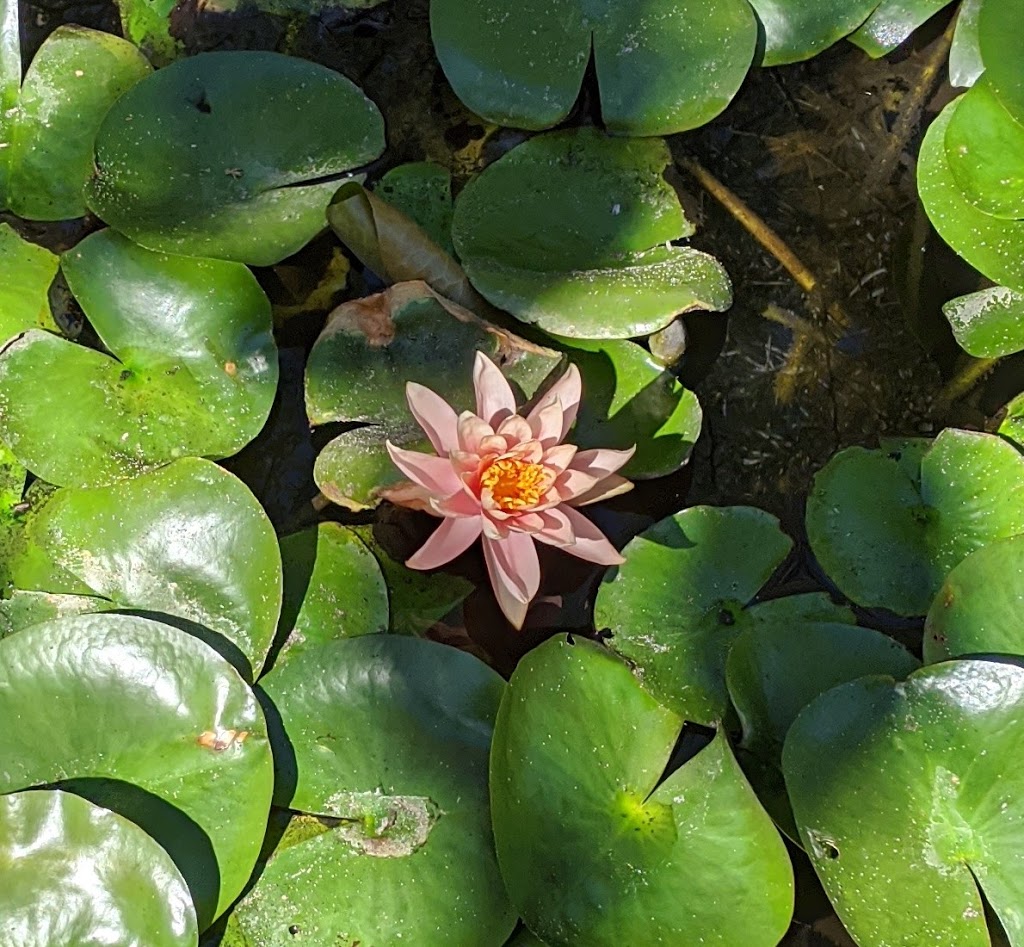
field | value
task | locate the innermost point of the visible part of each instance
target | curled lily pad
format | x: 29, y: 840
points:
x: 386, y: 773
x: 188, y: 540
x: 573, y: 231
x: 965, y: 65
x: 74, y: 79
x: 985, y: 151
x: 799, y: 29
x: 232, y: 155
x: 1002, y: 53
x: 194, y: 367
x: 978, y: 608
x: 992, y: 245
x: 892, y: 23
x: 148, y: 721
x: 989, y: 323
x: 888, y: 533
x: 662, y: 67
x: 28, y: 271
x: 422, y: 191
x: 76, y: 875
x: 909, y: 799
x: 595, y: 846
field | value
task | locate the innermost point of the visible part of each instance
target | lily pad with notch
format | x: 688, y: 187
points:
x: 573, y: 231
x: 77, y: 875
x: 888, y: 532
x: 192, y: 371
x: 148, y: 721
x: 233, y: 155
x: 597, y: 844
x: 382, y: 756
x: 909, y: 801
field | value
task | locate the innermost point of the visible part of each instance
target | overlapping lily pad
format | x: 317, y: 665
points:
x: 28, y: 271
x: 232, y: 155
x: 662, y: 67
x: 146, y: 720
x: 992, y: 245
x: 188, y: 540
x: 194, y: 367
x: 892, y: 23
x: 76, y: 875
x: 47, y: 136
x: 1001, y: 51
x: 989, y: 323
x: 965, y: 65
x: 799, y: 29
x: 390, y: 840
x: 978, y: 609
x: 909, y: 798
x: 573, y: 231
x: 888, y: 532
x: 595, y: 847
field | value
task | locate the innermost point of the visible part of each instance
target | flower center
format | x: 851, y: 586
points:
x: 514, y: 484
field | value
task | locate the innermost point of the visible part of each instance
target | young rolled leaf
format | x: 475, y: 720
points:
x: 193, y: 367
x: 573, y: 231
x: 909, y: 800
x: 594, y: 846
x: 233, y: 155
x: 148, y: 721
x: 76, y: 874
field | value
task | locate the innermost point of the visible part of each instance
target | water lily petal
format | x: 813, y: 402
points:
x: 602, y: 461
x: 458, y: 504
x: 435, y: 416
x: 471, y: 431
x: 494, y: 398
x: 407, y: 494
x: 495, y: 444
x: 559, y: 457
x: 546, y: 423
x: 515, y: 430
x: 566, y: 392
x: 433, y: 473
x: 573, y: 483
x: 557, y: 529
x: 514, y: 570
x: 610, y: 486
x: 450, y: 539
x: 591, y: 544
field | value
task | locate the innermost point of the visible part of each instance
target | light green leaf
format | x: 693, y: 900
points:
x: 989, y: 323
x: 28, y: 271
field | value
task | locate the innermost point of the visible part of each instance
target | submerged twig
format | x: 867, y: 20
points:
x: 965, y: 379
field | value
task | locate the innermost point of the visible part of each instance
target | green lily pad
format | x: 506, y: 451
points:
x: 978, y: 608
x: 892, y: 23
x: 391, y: 839
x: 676, y: 605
x: 28, y: 272
x: 992, y: 245
x: 147, y: 24
x: 10, y: 71
x: 573, y: 231
x: 664, y: 67
x: 594, y: 847
x: 888, y: 537
x: 989, y: 323
x: 76, y: 76
x: 908, y: 797
x: 985, y: 151
x: 188, y: 540
x: 194, y: 367
x: 24, y: 609
x: 150, y: 722
x: 422, y: 191
x: 799, y: 29
x: 524, y: 937
x: 333, y: 588
x: 76, y: 875
x: 1002, y: 53
x: 633, y: 401
x: 965, y: 65
x: 232, y: 155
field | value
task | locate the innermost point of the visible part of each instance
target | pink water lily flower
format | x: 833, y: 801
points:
x: 507, y: 478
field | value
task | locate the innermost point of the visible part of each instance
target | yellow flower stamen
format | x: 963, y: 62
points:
x: 515, y: 484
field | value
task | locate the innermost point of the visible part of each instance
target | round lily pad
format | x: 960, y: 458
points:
x: 989, y: 323
x: 187, y: 540
x: 676, y: 605
x: 892, y: 23
x: 985, y: 151
x: 595, y: 846
x: 1002, y: 53
x: 387, y: 743
x: 333, y: 588
x: 148, y: 721
x: 28, y: 272
x: 194, y: 367
x: 888, y: 534
x: 232, y: 155
x: 663, y: 67
x: 909, y: 798
x: 76, y: 875
x: 978, y: 609
x: 992, y: 245
x: 799, y: 29
x: 76, y: 76
x: 573, y: 231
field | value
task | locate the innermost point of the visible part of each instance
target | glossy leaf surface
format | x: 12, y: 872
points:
x: 988, y: 323
x: 27, y: 270
x: 892, y: 23
x: 1003, y: 53
x: 799, y: 29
